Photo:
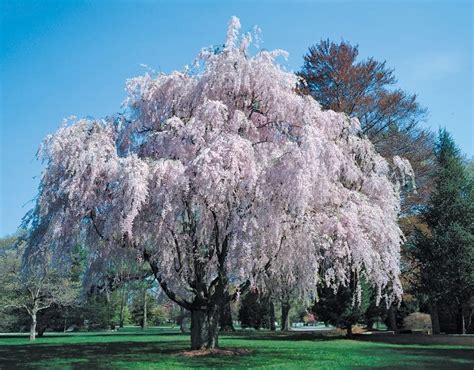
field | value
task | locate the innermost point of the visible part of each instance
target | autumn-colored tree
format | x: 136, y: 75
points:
x: 366, y: 89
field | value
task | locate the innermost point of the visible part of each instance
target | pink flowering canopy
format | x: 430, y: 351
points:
x: 224, y: 169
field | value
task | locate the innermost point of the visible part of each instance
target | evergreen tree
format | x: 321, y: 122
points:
x: 343, y: 308
x: 254, y: 311
x: 444, y: 250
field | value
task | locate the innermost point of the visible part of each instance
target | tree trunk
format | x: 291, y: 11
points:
x: 65, y: 320
x: 349, y: 331
x: 122, y: 307
x: 144, y: 323
x: 272, y: 316
x: 33, y: 326
x: 434, y: 319
x: 285, y: 316
x: 204, y: 328
x: 181, y: 320
x: 41, y: 330
x: 469, y: 319
x: 213, y: 326
x: 392, y: 321
x: 461, y: 321
x: 226, y: 323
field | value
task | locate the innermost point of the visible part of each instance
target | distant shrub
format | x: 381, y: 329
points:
x: 417, y: 321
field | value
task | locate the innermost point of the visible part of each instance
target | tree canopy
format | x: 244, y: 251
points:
x: 219, y: 173
x: 443, y: 247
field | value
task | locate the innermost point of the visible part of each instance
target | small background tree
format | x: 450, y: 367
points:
x: 345, y: 307
x: 34, y: 285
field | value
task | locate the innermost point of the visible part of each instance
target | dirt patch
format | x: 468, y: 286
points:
x: 217, y: 351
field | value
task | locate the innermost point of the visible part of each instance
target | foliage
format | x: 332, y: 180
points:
x: 417, y: 321
x: 345, y: 307
x: 33, y: 286
x: 254, y: 311
x: 98, y: 311
x: 365, y: 89
x: 223, y: 173
x: 444, y: 249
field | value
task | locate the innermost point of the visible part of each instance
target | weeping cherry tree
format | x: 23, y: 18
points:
x: 223, y: 174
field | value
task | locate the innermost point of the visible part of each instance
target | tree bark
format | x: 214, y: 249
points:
x: 144, y: 323
x: 226, y: 323
x: 434, y: 319
x: 41, y: 330
x: 65, y: 320
x: 204, y: 328
x: 392, y: 321
x: 182, y: 319
x: 33, y: 326
x: 272, y: 316
x: 461, y: 321
x: 285, y: 316
x: 122, y: 307
x: 213, y: 327
x: 349, y: 331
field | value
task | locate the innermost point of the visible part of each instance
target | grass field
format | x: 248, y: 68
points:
x: 164, y: 349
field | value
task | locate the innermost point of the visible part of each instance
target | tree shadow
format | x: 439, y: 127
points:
x: 105, y: 355
x: 438, y: 358
x: 169, y: 353
x: 419, y: 339
x: 282, y: 336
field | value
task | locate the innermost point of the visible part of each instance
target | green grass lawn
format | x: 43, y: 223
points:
x: 163, y: 349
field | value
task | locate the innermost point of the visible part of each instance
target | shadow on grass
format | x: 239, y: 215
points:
x: 281, y: 335
x: 284, y: 350
x: 425, y: 358
x: 95, y: 334
x: 417, y: 339
x: 126, y: 354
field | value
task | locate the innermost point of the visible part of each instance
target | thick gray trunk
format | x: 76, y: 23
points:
x: 204, y: 329
x: 285, y: 316
x: 213, y: 325
x: 33, y: 326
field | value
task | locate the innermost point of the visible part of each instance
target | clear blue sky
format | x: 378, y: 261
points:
x: 67, y: 58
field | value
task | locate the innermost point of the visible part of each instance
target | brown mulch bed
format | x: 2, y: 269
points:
x: 217, y: 351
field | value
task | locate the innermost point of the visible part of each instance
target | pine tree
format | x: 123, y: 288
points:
x: 344, y: 308
x: 254, y: 311
x: 445, y: 250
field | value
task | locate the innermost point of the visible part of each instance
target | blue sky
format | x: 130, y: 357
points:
x: 62, y: 58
